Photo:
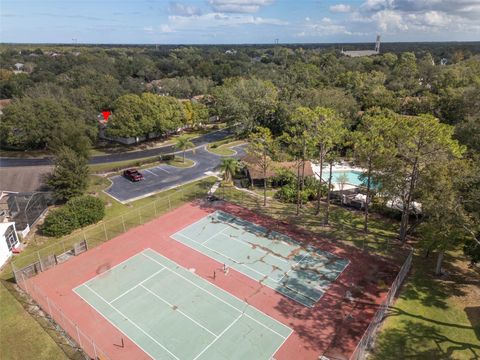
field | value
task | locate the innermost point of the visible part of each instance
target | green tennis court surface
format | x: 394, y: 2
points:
x: 274, y: 259
x: 171, y: 313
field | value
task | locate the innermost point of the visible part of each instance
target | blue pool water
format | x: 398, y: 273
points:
x: 352, y: 176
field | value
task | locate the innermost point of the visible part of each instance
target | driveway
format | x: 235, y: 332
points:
x: 163, y: 177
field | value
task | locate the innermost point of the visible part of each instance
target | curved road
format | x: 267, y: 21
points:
x: 133, y: 155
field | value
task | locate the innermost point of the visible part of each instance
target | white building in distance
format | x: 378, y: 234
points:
x: 359, y: 53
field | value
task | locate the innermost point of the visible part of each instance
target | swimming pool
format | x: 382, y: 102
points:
x: 353, y: 177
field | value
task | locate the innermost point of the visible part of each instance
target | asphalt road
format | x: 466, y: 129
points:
x: 164, y: 177
x: 134, y: 155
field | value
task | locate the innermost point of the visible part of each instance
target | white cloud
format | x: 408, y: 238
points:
x: 340, y: 8
x: 164, y: 28
x: 324, y: 27
x: 211, y: 20
x: 179, y: 8
x: 238, y: 6
x: 148, y: 29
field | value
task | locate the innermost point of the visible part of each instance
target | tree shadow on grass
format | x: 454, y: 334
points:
x: 414, y: 341
x: 430, y: 290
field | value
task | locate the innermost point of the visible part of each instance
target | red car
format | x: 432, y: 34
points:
x: 133, y: 175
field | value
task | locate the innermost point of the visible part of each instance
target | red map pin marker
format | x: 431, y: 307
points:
x: 106, y: 114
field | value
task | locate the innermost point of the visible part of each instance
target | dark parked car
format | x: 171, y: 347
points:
x: 133, y: 175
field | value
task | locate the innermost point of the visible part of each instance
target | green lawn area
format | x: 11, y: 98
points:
x: 223, y: 147
x: 22, y: 337
x: 433, y: 318
x: 142, y: 163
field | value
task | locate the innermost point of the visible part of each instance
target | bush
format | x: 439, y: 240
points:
x: 77, y: 212
x: 167, y: 157
x: 59, y: 223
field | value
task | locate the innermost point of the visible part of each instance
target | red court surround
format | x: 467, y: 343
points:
x: 334, y: 325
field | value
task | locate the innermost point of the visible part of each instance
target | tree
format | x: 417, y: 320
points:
x: 229, y: 167
x: 183, y: 144
x: 70, y: 176
x: 342, y: 180
x: 444, y: 222
x: 419, y: 143
x: 328, y: 131
x: 246, y: 103
x: 261, y: 146
x: 372, y: 141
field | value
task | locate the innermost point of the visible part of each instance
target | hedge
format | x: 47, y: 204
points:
x: 77, y: 212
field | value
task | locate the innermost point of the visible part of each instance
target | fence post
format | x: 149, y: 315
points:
x: 25, y: 282
x: 123, y: 223
x: 105, y: 231
x: 49, y: 308
x: 40, y: 261
x: 78, y: 334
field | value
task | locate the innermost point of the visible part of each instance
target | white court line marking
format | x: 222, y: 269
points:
x: 250, y: 276
x: 216, y: 297
x: 218, y: 337
x: 139, y: 284
x: 211, y: 237
x: 228, y: 257
x: 109, y: 270
x: 249, y: 245
x: 180, y: 311
x: 138, y: 327
x: 115, y: 326
x: 151, y: 172
x: 298, y: 262
x: 159, y: 168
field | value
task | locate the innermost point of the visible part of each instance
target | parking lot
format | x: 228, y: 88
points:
x: 164, y: 177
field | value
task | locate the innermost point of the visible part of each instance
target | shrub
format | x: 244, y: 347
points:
x: 59, y: 223
x: 167, y: 157
x: 86, y: 209
x: 77, y: 212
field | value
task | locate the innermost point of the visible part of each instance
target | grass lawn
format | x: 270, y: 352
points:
x: 223, y: 147
x: 143, y: 163
x: 22, y: 337
x: 433, y: 318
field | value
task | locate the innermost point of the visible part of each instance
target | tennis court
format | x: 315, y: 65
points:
x: 274, y: 259
x: 172, y: 313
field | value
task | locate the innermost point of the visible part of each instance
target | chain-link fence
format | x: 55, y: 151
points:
x: 55, y: 313
x: 27, y: 266
x: 368, y: 338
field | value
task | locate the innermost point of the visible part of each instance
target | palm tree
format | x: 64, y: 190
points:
x: 183, y: 144
x: 229, y: 168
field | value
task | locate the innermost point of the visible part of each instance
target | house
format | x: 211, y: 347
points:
x: 8, y: 241
x: 255, y: 172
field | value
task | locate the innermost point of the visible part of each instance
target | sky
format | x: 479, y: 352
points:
x: 237, y: 21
